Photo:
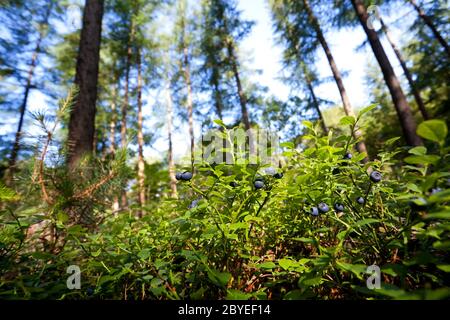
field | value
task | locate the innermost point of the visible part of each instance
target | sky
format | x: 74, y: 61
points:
x: 264, y: 54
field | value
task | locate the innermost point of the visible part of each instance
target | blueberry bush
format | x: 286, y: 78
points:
x: 307, y: 229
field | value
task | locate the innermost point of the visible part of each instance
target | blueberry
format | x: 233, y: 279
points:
x: 339, y: 207
x: 89, y: 291
x: 360, y: 200
x: 314, y: 211
x: 178, y: 175
x: 258, y: 184
x: 233, y: 184
x: 375, y: 176
x: 186, y: 176
x: 323, y: 207
x: 278, y: 175
x: 193, y: 204
x: 348, y: 156
x: 435, y: 190
x: 270, y: 171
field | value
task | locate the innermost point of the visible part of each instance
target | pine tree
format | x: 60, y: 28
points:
x: 297, y: 19
x: 429, y: 22
x: 82, y: 116
x: 415, y: 91
x: 20, y: 54
x: 403, y: 109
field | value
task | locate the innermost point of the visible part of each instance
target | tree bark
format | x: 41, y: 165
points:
x: 173, y: 180
x: 187, y: 75
x: 361, y: 146
x: 125, y: 104
x: 140, y: 138
x: 404, y: 113
x: 429, y: 22
x: 23, y: 106
x: 82, y: 116
x: 112, y: 128
x: 316, y: 105
x: 112, y: 123
x: 241, y: 93
x: 217, y: 95
x: 415, y: 91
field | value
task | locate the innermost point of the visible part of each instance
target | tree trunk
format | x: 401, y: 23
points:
x: 112, y: 123
x: 125, y: 104
x: 140, y: 138
x: 243, y: 102
x: 187, y: 75
x: 316, y: 106
x: 241, y: 93
x: 361, y: 146
x: 173, y: 180
x: 414, y: 90
x: 404, y: 113
x: 112, y: 130
x: 23, y: 106
x: 217, y: 95
x: 82, y: 116
x: 429, y: 22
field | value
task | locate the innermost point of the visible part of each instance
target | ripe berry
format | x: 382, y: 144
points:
x: 375, y: 176
x: 278, y: 175
x: 348, y: 156
x: 360, y: 200
x: 186, y: 176
x: 178, y: 175
x: 233, y: 184
x: 435, y: 190
x: 193, y: 204
x: 258, y: 184
x: 270, y: 171
x: 339, y: 207
x: 323, y: 207
x: 314, y: 211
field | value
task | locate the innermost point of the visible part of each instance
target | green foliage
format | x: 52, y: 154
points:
x: 238, y: 242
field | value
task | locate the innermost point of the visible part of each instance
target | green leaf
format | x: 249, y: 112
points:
x: 289, y: 145
x: 218, y: 278
x: 7, y: 194
x: 444, y: 267
x: 434, y: 130
x: 367, y: 109
x: 418, y: 151
x: 219, y: 122
x: 294, y: 295
x: 356, y: 269
x: 438, y: 215
x: 365, y: 222
x: 144, y: 254
x: 233, y: 294
x: 267, y: 265
x: 307, y: 124
x: 306, y: 282
x: 391, y: 141
x: 286, y: 263
x: 347, y: 120
x: 425, y: 159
